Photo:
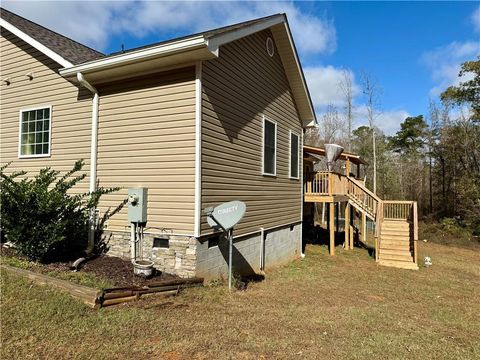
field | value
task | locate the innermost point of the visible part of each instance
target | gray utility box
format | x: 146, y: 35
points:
x: 137, y: 205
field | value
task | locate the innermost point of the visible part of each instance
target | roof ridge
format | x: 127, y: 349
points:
x: 204, y: 33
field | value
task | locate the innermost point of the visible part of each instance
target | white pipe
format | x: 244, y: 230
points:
x: 262, y: 249
x: 132, y: 241
x: 93, y: 156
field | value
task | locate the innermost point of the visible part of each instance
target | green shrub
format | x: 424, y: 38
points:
x: 41, y: 218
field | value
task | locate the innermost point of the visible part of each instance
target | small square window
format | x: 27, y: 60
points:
x: 161, y: 243
x: 34, y: 133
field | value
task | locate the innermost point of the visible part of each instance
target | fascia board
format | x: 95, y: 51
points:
x: 136, y: 56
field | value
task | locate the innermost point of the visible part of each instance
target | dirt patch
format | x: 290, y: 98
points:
x: 118, y: 271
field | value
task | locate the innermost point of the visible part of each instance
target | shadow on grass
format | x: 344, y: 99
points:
x: 321, y: 236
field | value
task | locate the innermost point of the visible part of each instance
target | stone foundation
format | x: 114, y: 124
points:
x: 188, y: 256
x: 178, y: 259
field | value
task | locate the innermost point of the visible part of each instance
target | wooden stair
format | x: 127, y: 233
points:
x: 395, y: 248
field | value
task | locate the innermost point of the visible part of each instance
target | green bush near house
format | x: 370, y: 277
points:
x: 41, y: 216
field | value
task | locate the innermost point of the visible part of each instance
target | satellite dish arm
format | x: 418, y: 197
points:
x: 209, y: 213
x: 219, y: 225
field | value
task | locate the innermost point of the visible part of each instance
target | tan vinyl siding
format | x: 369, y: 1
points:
x: 146, y: 138
x: 71, y: 109
x: 238, y: 88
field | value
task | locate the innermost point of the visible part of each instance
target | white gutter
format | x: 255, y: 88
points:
x: 138, y: 55
x: 93, y: 155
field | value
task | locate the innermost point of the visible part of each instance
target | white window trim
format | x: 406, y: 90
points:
x: 290, y: 155
x: 263, y: 147
x: 20, y: 156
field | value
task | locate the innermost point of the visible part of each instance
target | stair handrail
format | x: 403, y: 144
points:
x: 364, y: 188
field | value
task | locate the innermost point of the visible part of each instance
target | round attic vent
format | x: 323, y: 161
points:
x: 270, y: 47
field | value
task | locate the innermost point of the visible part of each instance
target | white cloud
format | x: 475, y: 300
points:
x: 323, y: 83
x: 388, y: 121
x: 476, y: 19
x: 445, y: 61
x: 94, y: 22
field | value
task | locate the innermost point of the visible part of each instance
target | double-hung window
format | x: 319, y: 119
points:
x: 35, y: 130
x: 294, y: 154
x: 269, y: 147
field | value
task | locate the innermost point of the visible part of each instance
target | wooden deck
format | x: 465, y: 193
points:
x: 396, y: 224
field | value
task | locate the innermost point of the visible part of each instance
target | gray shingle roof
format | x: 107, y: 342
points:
x: 69, y: 49
x: 207, y: 34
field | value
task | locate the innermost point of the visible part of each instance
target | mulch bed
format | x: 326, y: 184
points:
x: 117, y: 270
x: 120, y: 271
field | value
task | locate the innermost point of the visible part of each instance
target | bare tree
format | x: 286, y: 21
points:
x: 332, y: 126
x: 372, y: 91
x: 346, y: 87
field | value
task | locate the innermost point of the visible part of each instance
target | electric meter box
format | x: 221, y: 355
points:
x: 137, y: 205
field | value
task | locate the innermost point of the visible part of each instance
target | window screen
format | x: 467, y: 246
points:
x: 294, y: 140
x: 269, y: 147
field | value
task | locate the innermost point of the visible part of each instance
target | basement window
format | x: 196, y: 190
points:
x: 269, y: 161
x: 34, y: 132
x: 294, y: 154
x: 161, y: 243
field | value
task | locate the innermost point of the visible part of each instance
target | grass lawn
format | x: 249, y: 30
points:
x: 345, y: 307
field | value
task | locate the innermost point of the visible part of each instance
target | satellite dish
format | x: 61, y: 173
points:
x: 332, y: 152
x: 226, y: 215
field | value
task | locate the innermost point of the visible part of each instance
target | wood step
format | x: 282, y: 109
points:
x: 395, y: 237
x: 395, y: 233
x: 393, y: 257
x: 394, y: 246
x: 399, y: 264
x: 399, y: 252
x: 398, y: 228
x: 396, y: 225
x: 402, y: 226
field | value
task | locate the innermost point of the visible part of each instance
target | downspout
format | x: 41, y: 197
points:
x: 93, y: 157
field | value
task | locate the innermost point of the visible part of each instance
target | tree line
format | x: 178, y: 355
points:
x: 434, y: 158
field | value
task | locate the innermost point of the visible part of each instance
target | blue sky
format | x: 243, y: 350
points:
x: 412, y: 49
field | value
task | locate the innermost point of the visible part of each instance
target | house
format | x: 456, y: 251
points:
x: 198, y: 121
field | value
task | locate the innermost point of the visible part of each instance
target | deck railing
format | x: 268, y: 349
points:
x: 318, y: 183
x: 397, y: 210
x: 324, y: 183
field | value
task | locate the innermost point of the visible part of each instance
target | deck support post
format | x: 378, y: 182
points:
x: 352, y: 235
x: 331, y: 227
x: 347, y: 227
x: 364, y: 228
